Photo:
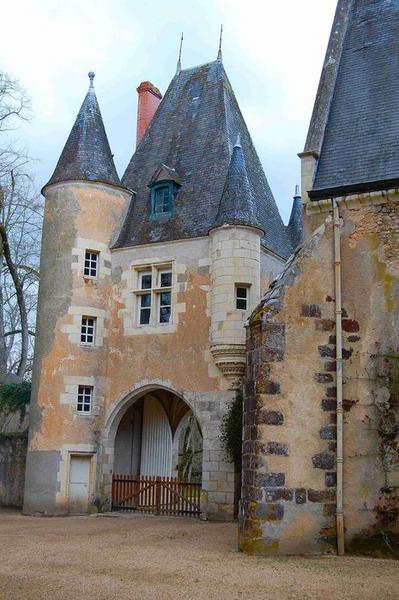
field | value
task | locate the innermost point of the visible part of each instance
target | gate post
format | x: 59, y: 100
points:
x: 158, y: 496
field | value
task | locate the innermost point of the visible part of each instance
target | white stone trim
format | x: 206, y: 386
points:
x: 164, y: 243
x: 353, y: 201
x: 70, y: 395
x: 74, y: 329
x: 129, y: 314
x: 78, y: 252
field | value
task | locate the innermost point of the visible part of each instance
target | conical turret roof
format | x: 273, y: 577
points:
x: 295, y: 225
x: 87, y: 155
x: 237, y: 205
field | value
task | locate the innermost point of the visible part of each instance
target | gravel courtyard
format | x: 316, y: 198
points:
x: 157, y: 557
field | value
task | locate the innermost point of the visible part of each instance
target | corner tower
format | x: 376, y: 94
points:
x: 84, y: 201
x: 235, y: 269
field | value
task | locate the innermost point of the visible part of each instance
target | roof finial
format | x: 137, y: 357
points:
x: 91, y: 75
x: 297, y: 194
x: 179, y: 59
x: 220, y: 43
x: 238, y: 141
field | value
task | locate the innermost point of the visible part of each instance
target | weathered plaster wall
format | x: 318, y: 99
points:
x: 127, y: 359
x: 12, y: 469
x: 290, y: 434
x: 173, y: 356
x: 77, y: 216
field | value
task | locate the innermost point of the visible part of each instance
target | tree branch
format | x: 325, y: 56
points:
x: 19, y: 292
x: 15, y: 331
x: 30, y: 270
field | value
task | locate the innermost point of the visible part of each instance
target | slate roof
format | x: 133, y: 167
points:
x: 237, y: 206
x: 295, y: 224
x: 193, y: 132
x: 360, y: 149
x: 86, y: 154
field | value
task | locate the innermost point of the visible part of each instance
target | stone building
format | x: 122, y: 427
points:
x: 321, y: 411
x: 146, y: 285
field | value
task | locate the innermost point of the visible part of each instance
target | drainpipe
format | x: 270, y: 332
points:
x: 338, y: 358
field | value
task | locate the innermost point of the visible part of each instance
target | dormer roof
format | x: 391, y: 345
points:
x: 164, y: 173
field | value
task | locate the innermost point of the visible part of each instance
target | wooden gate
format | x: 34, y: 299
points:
x: 159, y: 495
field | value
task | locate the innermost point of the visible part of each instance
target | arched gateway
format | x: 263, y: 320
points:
x: 154, y: 444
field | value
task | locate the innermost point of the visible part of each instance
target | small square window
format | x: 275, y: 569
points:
x: 88, y: 330
x: 85, y: 398
x: 91, y: 263
x: 242, y: 297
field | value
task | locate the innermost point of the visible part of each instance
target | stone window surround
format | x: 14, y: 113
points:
x: 155, y: 290
x: 70, y: 396
x: 74, y: 329
x: 129, y: 313
x: 79, y: 254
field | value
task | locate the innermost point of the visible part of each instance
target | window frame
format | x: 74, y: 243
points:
x: 83, y: 402
x: 97, y: 263
x: 155, y: 292
x: 237, y: 298
x: 93, y: 334
x: 156, y: 187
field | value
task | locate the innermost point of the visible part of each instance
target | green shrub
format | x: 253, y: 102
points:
x: 231, y: 432
x: 14, y: 397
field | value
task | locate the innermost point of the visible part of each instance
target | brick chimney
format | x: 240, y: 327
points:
x: 148, y: 102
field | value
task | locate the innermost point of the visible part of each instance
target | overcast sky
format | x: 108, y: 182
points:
x: 272, y: 52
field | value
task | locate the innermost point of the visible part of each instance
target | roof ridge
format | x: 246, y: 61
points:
x: 211, y: 62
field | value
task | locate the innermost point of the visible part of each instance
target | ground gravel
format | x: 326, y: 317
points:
x: 138, y: 557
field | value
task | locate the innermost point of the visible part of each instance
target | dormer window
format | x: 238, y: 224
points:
x: 164, y: 186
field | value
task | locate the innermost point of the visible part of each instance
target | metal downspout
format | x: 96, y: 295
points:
x: 340, y: 420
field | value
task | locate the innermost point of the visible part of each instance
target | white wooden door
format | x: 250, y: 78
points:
x: 79, y: 476
x: 156, y: 445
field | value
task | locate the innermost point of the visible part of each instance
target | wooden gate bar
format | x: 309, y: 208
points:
x: 159, y: 495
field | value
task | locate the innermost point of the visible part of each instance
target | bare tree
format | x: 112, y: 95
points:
x: 20, y: 230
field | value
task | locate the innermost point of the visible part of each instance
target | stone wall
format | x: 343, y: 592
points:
x: 12, y: 469
x: 289, y: 451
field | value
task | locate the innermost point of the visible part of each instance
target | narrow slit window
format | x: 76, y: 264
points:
x: 91, y: 263
x: 88, y: 330
x: 242, y: 297
x: 85, y: 398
